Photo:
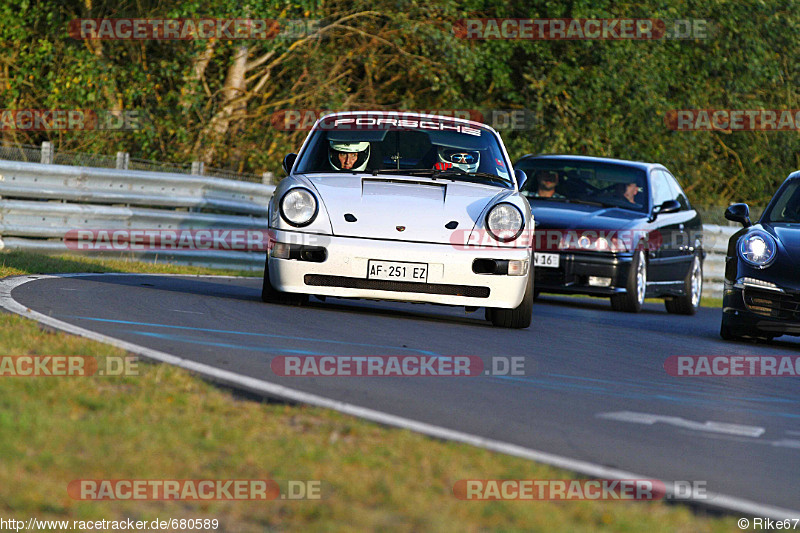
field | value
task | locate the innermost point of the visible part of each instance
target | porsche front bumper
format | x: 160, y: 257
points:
x: 338, y: 267
x: 750, y: 310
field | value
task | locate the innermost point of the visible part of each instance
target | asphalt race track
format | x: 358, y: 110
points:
x: 594, y: 392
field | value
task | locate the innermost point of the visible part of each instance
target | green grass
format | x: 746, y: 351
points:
x: 166, y: 423
x: 19, y: 263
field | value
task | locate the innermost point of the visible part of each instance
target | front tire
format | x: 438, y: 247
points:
x: 693, y: 289
x: 632, y: 299
x: 726, y: 333
x: 517, y: 318
x: 270, y: 294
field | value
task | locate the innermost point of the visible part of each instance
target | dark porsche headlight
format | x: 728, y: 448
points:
x: 505, y: 222
x: 299, y: 207
x: 758, y: 248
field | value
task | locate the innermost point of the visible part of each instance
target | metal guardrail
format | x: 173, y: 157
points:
x: 39, y: 203
x: 47, y: 154
x: 131, y: 187
x: 715, y: 241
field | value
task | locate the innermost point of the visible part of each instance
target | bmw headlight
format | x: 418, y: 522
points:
x: 505, y: 222
x: 598, y: 244
x: 299, y: 207
x: 758, y: 248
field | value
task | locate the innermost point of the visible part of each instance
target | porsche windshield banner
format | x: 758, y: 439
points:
x: 397, y: 121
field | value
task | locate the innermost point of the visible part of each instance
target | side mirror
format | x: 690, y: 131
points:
x: 739, y: 213
x: 521, y: 178
x: 288, y: 163
x: 670, y: 206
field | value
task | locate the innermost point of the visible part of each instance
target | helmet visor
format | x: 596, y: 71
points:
x: 460, y: 157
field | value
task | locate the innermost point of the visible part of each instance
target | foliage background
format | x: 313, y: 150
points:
x: 213, y: 100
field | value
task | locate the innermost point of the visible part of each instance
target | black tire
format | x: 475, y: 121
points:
x: 632, y: 299
x: 270, y: 295
x: 726, y: 333
x: 693, y: 291
x: 517, y: 318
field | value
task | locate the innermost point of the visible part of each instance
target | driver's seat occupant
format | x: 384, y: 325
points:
x: 466, y: 160
x: 348, y: 155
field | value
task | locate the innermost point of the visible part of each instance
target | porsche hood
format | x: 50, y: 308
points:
x: 399, y: 207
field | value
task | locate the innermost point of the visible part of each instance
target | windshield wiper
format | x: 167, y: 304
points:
x: 572, y: 201
x: 457, y: 173
x: 453, y: 174
x: 411, y: 171
x: 591, y: 202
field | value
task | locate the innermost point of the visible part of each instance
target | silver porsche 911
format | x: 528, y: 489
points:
x: 405, y: 207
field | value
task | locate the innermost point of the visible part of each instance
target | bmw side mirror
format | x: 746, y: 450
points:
x: 670, y: 206
x: 739, y: 213
x: 288, y: 163
x: 521, y: 178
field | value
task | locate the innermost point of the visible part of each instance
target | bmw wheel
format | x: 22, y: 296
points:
x: 632, y: 299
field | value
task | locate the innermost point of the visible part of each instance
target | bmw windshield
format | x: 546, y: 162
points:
x: 421, y: 146
x: 589, y: 182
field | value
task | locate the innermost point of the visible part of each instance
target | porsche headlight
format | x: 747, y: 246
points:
x: 505, y: 222
x: 758, y: 248
x: 299, y: 207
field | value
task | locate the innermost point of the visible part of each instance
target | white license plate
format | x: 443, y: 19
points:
x: 397, y: 271
x: 545, y: 260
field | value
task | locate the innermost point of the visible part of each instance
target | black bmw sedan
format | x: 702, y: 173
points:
x: 614, y: 228
x: 762, y: 269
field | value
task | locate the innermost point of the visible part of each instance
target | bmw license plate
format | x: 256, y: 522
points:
x: 397, y: 271
x: 545, y: 260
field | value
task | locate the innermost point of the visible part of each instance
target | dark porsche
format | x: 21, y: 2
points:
x: 762, y: 269
x: 614, y: 228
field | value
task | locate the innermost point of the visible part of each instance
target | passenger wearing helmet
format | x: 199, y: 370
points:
x: 466, y: 160
x: 348, y: 155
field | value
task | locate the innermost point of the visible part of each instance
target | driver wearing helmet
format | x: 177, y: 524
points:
x: 466, y: 160
x: 348, y: 155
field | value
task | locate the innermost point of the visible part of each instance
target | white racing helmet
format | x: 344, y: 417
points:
x: 360, y: 148
x: 466, y: 160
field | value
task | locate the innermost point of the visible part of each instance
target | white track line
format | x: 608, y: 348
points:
x: 712, y: 500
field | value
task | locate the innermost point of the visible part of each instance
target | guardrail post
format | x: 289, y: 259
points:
x: 198, y: 167
x: 123, y: 158
x: 47, y: 153
x: 267, y: 178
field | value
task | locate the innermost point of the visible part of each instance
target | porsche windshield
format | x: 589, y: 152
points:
x: 786, y: 207
x: 565, y: 180
x: 436, y: 146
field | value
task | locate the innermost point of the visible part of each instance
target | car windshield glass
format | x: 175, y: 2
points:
x: 786, y: 206
x: 373, y: 144
x: 567, y: 180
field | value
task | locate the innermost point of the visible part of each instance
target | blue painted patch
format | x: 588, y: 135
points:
x: 618, y: 392
x: 269, y: 335
x: 192, y: 340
